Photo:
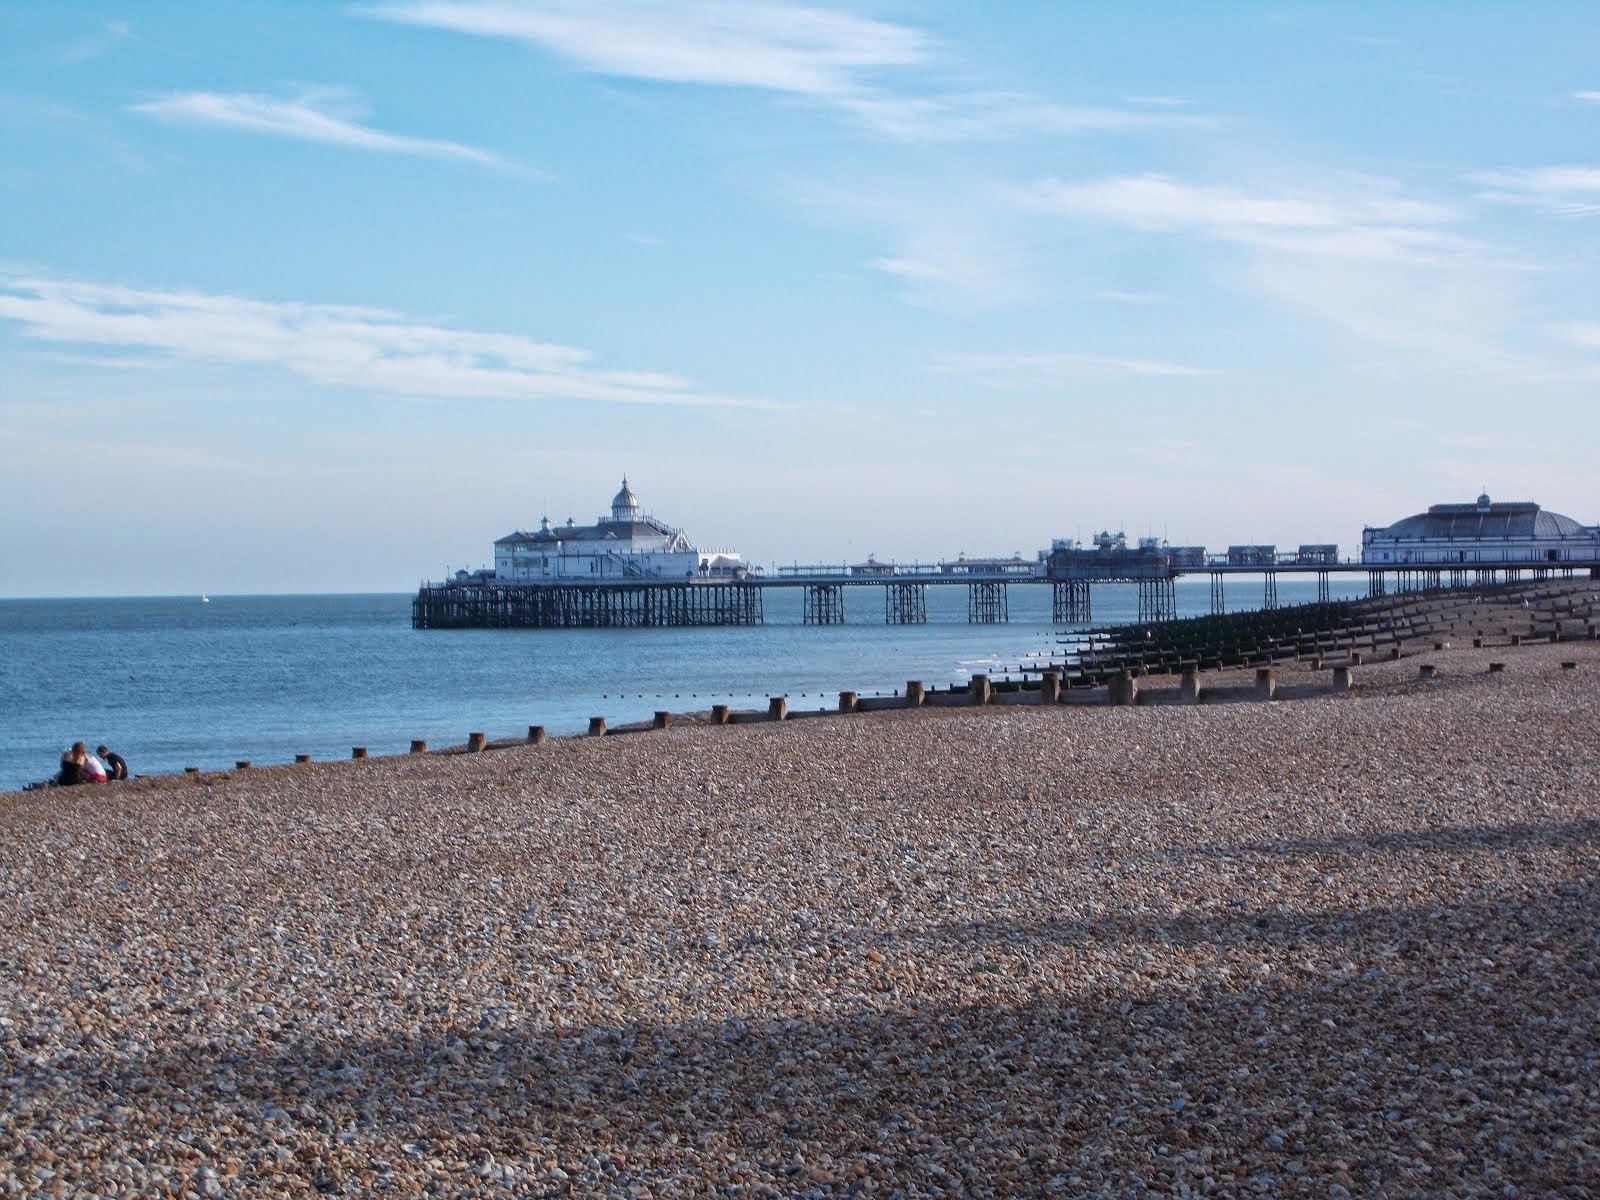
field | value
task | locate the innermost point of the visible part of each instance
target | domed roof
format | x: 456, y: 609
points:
x: 625, y: 505
x: 1485, y: 519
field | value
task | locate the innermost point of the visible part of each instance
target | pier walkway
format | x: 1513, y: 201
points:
x: 486, y: 603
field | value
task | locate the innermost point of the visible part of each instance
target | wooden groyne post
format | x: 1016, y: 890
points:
x: 1050, y: 687
x: 1123, y: 688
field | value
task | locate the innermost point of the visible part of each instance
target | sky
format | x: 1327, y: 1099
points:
x: 322, y: 297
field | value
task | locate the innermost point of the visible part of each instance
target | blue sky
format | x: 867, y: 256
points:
x: 322, y: 297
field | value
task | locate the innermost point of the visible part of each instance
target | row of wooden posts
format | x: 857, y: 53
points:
x: 1123, y: 690
x: 980, y: 691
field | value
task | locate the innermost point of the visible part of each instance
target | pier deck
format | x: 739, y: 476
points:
x: 636, y: 603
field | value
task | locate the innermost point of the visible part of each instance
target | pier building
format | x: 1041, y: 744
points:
x: 628, y: 544
x: 1485, y: 531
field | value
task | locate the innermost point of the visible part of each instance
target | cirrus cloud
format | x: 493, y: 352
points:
x: 1368, y: 224
x: 1572, y: 191
x: 312, y: 117
x: 777, y: 47
x: 1059, y: 366
x: 834, y: 58
x: 369, y: 349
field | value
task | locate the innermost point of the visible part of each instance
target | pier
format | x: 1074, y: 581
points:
x: 630, y: 570
x: 477, y: 603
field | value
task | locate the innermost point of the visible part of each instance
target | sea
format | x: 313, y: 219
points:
x: 176, y: 681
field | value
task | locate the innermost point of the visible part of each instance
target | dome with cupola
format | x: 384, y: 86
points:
x: 625, y: 505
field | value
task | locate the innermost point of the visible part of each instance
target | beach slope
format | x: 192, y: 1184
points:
x: 1337, y: 945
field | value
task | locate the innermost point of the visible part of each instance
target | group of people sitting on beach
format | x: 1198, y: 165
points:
x: 79, y: 766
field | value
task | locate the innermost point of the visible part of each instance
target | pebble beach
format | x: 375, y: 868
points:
x: 1329, y: 945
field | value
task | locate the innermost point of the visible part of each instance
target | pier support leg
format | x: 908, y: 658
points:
x: 1157, y: 600
x: 905, y: 603
x: 1219, y: 604
x: 987, y: 603
x: 824, y: 604
x: 1069, y: 602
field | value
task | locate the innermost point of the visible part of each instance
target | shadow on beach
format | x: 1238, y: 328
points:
x: 1310, y: 1060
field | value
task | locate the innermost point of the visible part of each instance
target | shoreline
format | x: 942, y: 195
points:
x: 1488, y: 618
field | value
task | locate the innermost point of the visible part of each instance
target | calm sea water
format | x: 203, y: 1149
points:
x: 170, y: 682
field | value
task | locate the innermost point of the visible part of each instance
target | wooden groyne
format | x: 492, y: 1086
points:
x: 1510, y: 612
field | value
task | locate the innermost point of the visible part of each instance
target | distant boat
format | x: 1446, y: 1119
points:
x: 204, y: 599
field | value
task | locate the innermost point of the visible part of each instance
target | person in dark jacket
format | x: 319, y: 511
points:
x: 116, y: 765
x: 72, y: 766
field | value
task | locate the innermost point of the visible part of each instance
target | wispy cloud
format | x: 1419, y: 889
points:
x: 1356, y: 254
x: 951, y: 259
x: 839, y: 59
x: 1587, y: 97
x: 1373, y: 223
x: 373, y: 350
x: 1572, y: 191
x: 778, y: 47
x: 973, y: 116
x: 1060, y: 366
x: 105, y: 39
x: 1580, y: 333
x: 323, y: 115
